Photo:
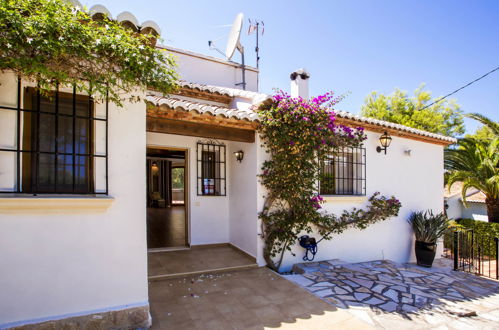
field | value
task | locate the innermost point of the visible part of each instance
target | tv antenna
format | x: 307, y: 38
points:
x: 233, y: 44
x: 255, y: 27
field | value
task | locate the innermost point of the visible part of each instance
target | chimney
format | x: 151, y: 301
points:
x: 299, y: 83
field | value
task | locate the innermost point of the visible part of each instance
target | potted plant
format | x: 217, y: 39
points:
x: 428, y: 228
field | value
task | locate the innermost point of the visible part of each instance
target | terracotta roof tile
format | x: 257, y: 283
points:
x: 202, y: 108
x: 258, y: 98
x: 477, y: 197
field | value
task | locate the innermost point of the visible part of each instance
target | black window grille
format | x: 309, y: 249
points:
x: 54, y: 149
x: 344, y: 173
x: 211, y: 168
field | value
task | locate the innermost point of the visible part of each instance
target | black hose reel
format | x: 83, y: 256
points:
x: 310, y: 245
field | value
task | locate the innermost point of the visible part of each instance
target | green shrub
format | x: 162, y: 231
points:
x: 481, y: 228
x: 484, y: 234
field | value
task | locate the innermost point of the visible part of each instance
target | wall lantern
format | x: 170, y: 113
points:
x: 239, y: 155
x: 385, y: 139
x: 154, y: 168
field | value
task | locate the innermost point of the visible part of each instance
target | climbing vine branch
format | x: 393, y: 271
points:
x: 53, y: 42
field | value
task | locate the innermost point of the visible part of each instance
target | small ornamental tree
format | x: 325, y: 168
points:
x: 299, y: 134
x: 53, y: 42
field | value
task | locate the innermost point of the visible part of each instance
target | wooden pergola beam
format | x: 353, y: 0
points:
x: 190, y: 128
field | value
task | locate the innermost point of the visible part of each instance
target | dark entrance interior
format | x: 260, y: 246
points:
x: 166, y: 202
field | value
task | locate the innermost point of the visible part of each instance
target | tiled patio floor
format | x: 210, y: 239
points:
x: 197, y: 260
x: 389, y: 295
x: 248, y: 299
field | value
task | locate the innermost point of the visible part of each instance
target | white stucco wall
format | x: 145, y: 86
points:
x: 220, y: 219
x: 204, y: 69
x: 455, y: 209
x: 416, y: 180
x: 208, y: 215
x: 72, y: 263
x: 243, y: 211
x: 475, y: 211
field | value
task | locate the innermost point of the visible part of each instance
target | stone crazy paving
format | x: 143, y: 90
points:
x: 388, y: 294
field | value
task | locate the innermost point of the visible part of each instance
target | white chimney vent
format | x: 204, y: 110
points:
x: 299, y: 83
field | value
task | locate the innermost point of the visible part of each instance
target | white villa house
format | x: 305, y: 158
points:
x: 475, y: 209
x: 87, y: 188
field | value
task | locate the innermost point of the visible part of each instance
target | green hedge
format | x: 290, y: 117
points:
x: 484, y: 234
x: 481, y: 228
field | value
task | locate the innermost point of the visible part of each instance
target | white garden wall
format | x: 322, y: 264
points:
x: 64, y: 262
x: 416, y: 180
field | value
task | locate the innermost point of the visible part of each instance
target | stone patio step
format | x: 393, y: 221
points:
x: 198, y: 260
x: 304, y: 267
x: 201, y: 272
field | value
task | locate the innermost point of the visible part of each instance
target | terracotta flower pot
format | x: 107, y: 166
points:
x: 425, y: 253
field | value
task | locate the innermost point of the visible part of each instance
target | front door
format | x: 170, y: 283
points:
x: 166, y: 202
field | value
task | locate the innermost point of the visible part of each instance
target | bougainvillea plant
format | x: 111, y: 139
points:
x: 54, y: 42
x: 298, y: 134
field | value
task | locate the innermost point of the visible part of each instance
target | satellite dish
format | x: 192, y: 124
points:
x: 234, y: 35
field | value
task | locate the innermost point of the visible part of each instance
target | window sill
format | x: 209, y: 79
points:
x: 345, y: 198
x: 54, y: 204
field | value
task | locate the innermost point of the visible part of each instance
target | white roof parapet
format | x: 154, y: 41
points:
x: 201, y: 108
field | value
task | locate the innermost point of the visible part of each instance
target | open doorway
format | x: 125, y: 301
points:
x: 166, y: 198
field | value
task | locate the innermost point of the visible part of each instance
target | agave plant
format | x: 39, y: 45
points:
x: 428, y: 227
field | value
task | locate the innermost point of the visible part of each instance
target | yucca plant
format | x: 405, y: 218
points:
x: 428, y: 227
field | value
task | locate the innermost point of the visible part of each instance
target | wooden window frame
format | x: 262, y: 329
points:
x: 27, y: 148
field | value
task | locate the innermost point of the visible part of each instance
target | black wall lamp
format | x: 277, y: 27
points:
x: 385, y: 139
x: 239, y: 155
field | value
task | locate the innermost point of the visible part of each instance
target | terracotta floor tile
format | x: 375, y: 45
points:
x: 240, y: 300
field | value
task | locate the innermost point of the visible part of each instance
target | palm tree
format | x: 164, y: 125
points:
x: 475, y: 164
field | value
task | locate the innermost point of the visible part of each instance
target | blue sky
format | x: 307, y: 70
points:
x: 350, y: 47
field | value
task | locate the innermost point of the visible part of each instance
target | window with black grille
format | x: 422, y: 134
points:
x: 58, y: 144
x: 211, y: 168
x: 344, y: 173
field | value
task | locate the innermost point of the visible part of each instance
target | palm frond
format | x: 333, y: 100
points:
x: 492, y: 125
